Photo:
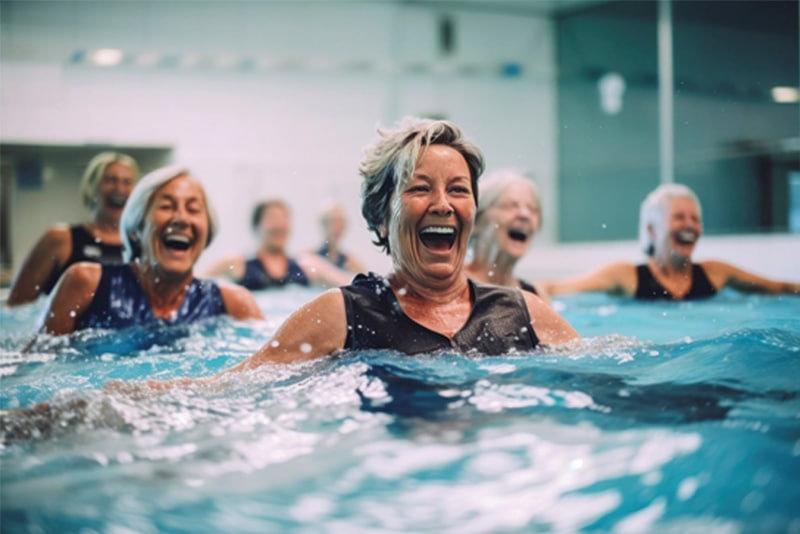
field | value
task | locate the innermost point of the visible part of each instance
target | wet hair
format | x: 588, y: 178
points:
x: 654, y: 209
x: 95, y: 170
x: 260, y: 208
x: 493, y: 185
x: 135, y: 211
x: 390, y: 162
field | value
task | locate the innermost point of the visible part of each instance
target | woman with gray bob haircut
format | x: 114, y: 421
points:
x: 508, y: 217
x: 669, y: 227
x: 133, y: 216
x: 165, y: 227
x: 389, y: 163
x: 107, y: 181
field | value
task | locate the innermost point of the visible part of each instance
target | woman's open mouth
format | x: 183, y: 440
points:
x: 686, y: 237
x: 117, y: 201
x: 517, y: 235
x: 438, y: 238
x: 177, y: 242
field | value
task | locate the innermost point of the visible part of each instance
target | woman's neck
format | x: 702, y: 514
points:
x: 406, y: 287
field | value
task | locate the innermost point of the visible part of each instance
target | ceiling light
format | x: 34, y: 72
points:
x: 786, y: 95
x: 105, y: 57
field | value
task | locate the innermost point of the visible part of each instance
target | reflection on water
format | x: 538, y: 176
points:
x: 667, y: 418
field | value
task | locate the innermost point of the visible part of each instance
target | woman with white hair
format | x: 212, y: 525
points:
x: 105, y: 187
x: 508, y: 217
x: 166, y: 225
x: 670, y: 224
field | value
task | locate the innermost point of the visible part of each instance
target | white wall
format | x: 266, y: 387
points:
x: 321, y: 78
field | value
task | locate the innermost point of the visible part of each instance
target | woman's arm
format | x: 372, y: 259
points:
x: 354, y: 265
x: 619, y: 278
x: 317, y: 329
x: 231, y: 268
x: 71, y: 297
x: 723, y: 274
x: 322, y: 272
x: 239, y: 302
x: 550, y: 327
x: 50, y: 253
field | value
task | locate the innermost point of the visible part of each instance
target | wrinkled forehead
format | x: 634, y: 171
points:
x: 519, y: 191
x: 183, y: 184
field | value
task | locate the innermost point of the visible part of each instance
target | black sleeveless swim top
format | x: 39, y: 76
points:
x: 498, y: 324
x: 527, y: 287
x: 256, y: 277
x: 648, y: 288
x: 120, y: 302
x: 85, y: 247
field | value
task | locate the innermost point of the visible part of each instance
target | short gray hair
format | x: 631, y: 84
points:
x: 95, y: 170
x: 390, y: 162
x: 654, y: 209
x: 135, y: 211
x: 495, y: 183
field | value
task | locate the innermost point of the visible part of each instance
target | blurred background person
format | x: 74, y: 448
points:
x: 271, y: 266
x: 105, y: 187
x: 670, y: 224
x: 334, y: 225
x: 509, y: 215
x: 165, y: 228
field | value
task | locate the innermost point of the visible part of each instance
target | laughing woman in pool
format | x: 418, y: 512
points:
x: 166, y: 225
x: 669, y: 226
x: 106, y: 184
x: 509, y: 215
x: 419, y: 197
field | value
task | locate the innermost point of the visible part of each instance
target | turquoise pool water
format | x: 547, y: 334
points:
x: 668, y: 418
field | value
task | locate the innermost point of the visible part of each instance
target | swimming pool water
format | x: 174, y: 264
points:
x: 673, y: 417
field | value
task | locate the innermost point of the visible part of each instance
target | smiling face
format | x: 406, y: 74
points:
x: 509, y: 224
x: 681, y: 229
x: 176, y: 227
x: 431, y: 218
x: 114, y: 188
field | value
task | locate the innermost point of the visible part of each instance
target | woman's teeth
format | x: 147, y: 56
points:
x: 435, y: 236
x: 177, y: 241
x: 686, y: 237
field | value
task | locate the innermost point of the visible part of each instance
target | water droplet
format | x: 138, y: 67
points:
x: 305, y: 348
x: 72, y: 313
x: 275, y: 344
